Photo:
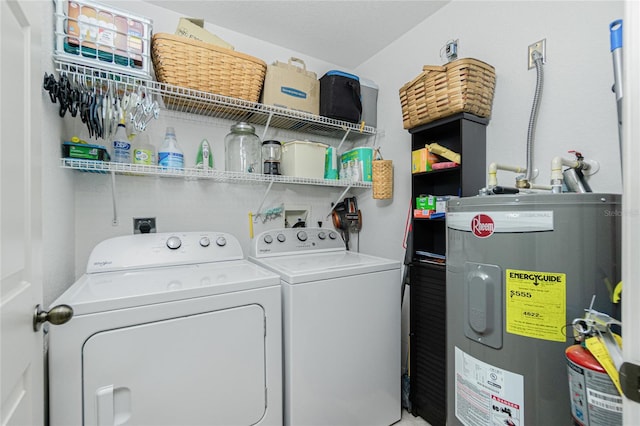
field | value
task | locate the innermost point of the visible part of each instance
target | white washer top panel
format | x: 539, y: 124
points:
x: 302, y: 268
x: 99, y: 292
x: 284, y: 241
x: 163, y: 249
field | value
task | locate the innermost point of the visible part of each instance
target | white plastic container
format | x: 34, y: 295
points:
x: 303, y: 159
x: 143, y: 151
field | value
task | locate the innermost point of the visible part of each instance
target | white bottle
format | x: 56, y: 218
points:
x: 121, y: 146
x: 170, y: 155
x: 143, y: 151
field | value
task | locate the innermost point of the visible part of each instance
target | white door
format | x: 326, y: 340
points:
x: 631, y: 199
x: 21, y: 349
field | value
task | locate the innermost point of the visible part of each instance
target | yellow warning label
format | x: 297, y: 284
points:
x: 536, y: 304
x: 600, y: 352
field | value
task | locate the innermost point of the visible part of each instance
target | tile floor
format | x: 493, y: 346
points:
x: 409, y: 419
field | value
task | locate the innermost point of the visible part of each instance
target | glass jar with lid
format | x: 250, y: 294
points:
x: 242, y: 149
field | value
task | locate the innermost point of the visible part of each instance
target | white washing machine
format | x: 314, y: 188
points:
x: 168, y: 329
x: 341, y: 328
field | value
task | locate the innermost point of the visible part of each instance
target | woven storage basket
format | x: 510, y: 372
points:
x: 382, y: 171
x: 185, y: 62
x: 464, y: 85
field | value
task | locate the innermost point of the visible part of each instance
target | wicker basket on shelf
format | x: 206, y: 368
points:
x: 464, y: 85
x: 189, y: 63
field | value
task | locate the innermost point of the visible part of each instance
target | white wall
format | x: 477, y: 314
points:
x: 577, y: 112
x: 58, y: 185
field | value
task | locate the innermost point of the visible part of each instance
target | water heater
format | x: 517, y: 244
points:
x: 520, y: 268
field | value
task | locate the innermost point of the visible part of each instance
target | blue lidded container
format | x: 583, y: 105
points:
x: 340, y: 96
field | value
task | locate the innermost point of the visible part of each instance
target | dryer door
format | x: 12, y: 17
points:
x: 207, y: 368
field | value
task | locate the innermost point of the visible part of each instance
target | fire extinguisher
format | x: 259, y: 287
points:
x: 595, y: 399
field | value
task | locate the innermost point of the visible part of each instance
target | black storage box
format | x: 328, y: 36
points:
x: 340, y: 96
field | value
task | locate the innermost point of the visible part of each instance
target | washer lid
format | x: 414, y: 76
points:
x: 296, y: 269
x: 108, y: 291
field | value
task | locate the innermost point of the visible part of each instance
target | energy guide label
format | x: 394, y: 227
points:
x: 536, y: 304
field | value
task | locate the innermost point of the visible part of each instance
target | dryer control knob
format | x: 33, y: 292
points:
x: 221, y: 241
x: 281, y: 238
x: 205, y: 241
x: 268, y: 239
x: 322, y: 235
x: 302, y: 236
x: 333, y: 235
x: 174, y: 243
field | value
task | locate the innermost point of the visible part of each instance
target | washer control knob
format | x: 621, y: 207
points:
x: 174, y: 243
x: 302, y: 236
x: 333, y: 235
x: 268, y: 239
x: 322, y: 235
x: 221, y: 241
x: 205, y: 241
x: 281, y: 238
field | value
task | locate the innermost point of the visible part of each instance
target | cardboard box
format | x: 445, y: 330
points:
x: 194, y: 28
x: 290, y: 86
x: 422, y: 160
x: 419, y: 160
x: 426, y: 202
x: 433, y: 203
x: 421, y: 214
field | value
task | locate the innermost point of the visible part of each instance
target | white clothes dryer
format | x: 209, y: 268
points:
x: 341, y: 328
x: 168, y: 329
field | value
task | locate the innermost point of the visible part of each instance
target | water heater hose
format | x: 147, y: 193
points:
x: 537, y: 59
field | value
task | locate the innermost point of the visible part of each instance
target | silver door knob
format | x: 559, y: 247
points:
x: 57, y: 315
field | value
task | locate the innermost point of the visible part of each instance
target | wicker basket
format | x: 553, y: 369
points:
x: 382, y: 171
x: 464, y: 85
x: 185, y: 62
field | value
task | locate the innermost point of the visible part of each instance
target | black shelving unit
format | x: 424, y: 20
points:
x: 465, y: 134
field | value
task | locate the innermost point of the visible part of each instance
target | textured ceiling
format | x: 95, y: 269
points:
x: 342, y: 32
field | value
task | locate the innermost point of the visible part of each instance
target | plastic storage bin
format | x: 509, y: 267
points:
x: 303, y: 159
x: 369, y: 93
x: 91, y: 34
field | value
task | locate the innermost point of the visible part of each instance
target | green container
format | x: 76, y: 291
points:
x: 426, y: 202
x: 357, y: 164
x: 83, y: 151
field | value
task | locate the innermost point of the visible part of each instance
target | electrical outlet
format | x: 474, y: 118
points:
x: 451, y: 50
x: 541, y: 47
x: 144, y: 225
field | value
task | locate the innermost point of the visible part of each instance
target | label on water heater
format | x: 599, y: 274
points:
x: 484, y: 225
x: 485, y: 394
x: 536, y: 304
